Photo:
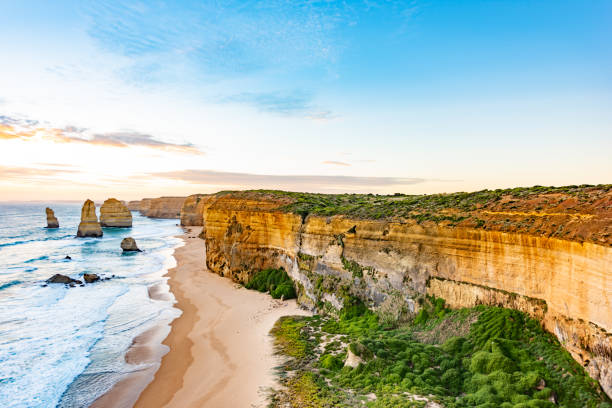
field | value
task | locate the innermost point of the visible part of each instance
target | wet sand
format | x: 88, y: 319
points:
x: 220, y: 352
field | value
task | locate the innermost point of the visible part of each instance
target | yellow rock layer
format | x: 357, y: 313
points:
x: 113, y: 213
x: 565, y: 284
x: 89, y: 225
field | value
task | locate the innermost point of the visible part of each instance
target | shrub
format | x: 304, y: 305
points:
x: 275, y: 281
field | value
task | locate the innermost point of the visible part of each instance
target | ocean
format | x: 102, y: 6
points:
x: 61, y: 346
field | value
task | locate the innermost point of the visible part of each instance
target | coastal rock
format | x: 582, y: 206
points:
x: 192, y: 212
x: 90, y: 277
x: 352, y: 360
x: 51, y: 220
x: 134, y: 205
x: 113, y: 213
x: 59, y: 278
x: 162, y: 207
x: 89, y: 226
x: 563, y: 282
x: 129, y: 245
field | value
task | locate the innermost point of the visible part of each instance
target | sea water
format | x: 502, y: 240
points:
x: 65, y: 346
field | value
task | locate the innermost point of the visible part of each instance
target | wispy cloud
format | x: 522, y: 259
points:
x: 32, y: 173
x: 285, y: 103
x: 335, y: 163
x: 292, y: 182
x: 16, y: 128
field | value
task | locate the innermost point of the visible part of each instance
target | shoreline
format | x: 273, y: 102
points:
x: 220, y: 352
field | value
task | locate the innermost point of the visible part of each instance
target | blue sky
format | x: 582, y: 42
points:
x: 377, y: 96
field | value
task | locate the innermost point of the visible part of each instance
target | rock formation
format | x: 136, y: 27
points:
x: 113, y: 213
x: 59, y: 278
x: 90, y: 277
x: 532, y: 254
x: 134, y: 205
x: 89, y: 226
x: 162, y: 207
x: 352, y: 360
x: 129, y: 245
x: 192, y: 212
x: 51, y: 220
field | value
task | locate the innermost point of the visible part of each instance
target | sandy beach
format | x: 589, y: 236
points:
x: 220, y: 352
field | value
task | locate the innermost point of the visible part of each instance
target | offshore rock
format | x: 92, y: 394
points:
x: 129, y: 245
x: 51, y: 220
x: 90, y: 277
x: 89, y: 226
x: 59, y: 278
x: 114, y: 213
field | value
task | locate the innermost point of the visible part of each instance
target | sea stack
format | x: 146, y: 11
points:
x: 129, y: 245
x: 114, y: 213
x: 89, y: 226
x: 51, y: 220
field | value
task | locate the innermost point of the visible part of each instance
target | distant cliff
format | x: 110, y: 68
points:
x: 162, y: 207
x: 544, y: 251
x: 192, y: 212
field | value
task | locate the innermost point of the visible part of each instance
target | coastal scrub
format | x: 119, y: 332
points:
x: 504, y: 359
x: 275, y: 281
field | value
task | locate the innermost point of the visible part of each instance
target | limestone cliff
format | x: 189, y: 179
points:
x: 113, y: 213
x: 162, y: 207
x: 192, y: 212
x: 134, y: 205
x: 516, y: 250
x: 89, y: 226
x: 51, y: 219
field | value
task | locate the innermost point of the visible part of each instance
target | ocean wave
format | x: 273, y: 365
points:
x: 9, y: 284
x: 27, y: 241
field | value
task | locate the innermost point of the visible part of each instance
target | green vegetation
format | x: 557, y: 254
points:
x: 418, y: 207
x: 276, y: 281
x: 503, y: 359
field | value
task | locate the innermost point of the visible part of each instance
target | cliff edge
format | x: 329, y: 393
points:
x: 542, y: 250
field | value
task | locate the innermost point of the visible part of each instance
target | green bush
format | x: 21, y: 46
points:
x: 500, y: 362
x: 275, y: 281
x: 330, y: 362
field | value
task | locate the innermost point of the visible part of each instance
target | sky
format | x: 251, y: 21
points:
x: 136, y: 99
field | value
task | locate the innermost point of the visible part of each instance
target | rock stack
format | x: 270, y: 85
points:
x: 114, y: 213
x: 129, y: 245
x: 51, y: 220
x: 89, y: 226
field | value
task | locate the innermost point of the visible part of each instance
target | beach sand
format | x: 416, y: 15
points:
x: 221, y: 354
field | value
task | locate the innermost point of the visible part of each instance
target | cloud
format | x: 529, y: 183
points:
x: 16, y: 128
x: 292, y: 182
x: 31, y: 173
x: 335, y: 163
x: 288, y: 103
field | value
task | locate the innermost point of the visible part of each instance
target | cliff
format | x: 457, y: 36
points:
x: 89, y: 225
x: 192, y: 212
x: 544, y: 251
x: 52, y: 221
x: 162, y: 207
x: 134, y: 205
x: 113, y: 213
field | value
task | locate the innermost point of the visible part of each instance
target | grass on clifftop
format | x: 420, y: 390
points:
x: 537, y: 210
x: 504, y: 359
x: 275, y: 281
x: 402, y: 205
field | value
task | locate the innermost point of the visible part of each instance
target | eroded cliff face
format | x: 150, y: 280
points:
x: 564, y: 283
x: 113, y: 213
x: 162, y: 207
x: 192, y: 212
x: 51, y: 218
x: 89, y: 225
